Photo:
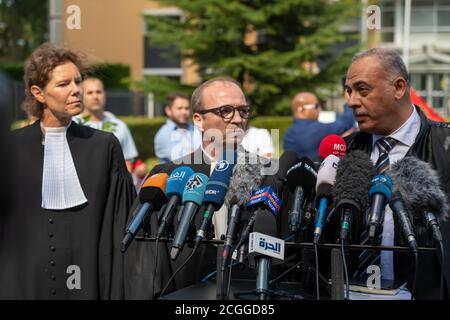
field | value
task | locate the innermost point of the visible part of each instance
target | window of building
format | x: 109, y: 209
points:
x: 158, y: 60
x: 430, y: 19
x: 434, y: 88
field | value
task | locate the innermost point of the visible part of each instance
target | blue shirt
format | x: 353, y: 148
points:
x: 304, y: 136
x: 173, y: 142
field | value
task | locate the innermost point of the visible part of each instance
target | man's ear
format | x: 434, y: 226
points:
x: 38, y: 94
x: 168, y: 111
x: 198, y: 121
x: 400, y: 86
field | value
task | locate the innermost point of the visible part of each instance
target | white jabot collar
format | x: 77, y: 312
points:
x: 61, y: 188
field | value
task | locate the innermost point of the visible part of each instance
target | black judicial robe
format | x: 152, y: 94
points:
x: 46, y: 254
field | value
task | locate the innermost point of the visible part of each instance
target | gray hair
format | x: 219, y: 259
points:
x: 390, y: 59
x: 196, y: 98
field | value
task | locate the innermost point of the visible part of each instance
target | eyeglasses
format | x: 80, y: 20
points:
x: 227, y: 112
x: 312, y: 106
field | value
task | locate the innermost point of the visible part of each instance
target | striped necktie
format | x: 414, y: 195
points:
x: 384, y: 145
x: 367, y: 258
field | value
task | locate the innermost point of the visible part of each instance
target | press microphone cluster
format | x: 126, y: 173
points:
x: 174, y: 193
x: 268, y: 197
x: 215, y: 192
x: 192, y: 200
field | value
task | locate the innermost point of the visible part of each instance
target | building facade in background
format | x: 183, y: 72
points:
x: 114, y: 31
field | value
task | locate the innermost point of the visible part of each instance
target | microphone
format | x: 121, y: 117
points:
x: 174, y: 192
x: 262, y: 199
x: 380, y: 194
x: 353, y: 175
x: 214, y: 197
x: 263, y: 245
x: 192, y: 200
x: 419, y: 186
x: 245, y: 179
x: 151, y: 198
x: 266, y: 197
x: 326, y: 179
x: 398, y: 207
x: 332, y: 144
x: 301, y: 179
x: 278, y: 180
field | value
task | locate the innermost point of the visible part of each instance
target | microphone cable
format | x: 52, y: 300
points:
x: 316, y: 254
x: 344, y: 262
x: 156, y: 266
x: 416, y: 274
x: 441, y: 246
x: 176, y: 272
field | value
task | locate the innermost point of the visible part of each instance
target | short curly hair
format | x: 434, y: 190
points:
x: 38, y: 68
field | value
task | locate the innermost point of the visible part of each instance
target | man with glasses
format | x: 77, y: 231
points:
x: 220, y: 112
x: 306, y: 132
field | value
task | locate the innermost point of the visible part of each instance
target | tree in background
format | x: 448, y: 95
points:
x: 275, y: 48
x: 23, y: 27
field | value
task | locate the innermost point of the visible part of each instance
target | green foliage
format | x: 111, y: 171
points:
x: 291, y: 35
x: 162, y: 87
x: 144, y: 130
x: 13, y: 69
x: 113, y: 75
x: 24, y: 26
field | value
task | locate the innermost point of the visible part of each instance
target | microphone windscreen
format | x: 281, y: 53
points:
x: 327, y: 172
x: 153, y: 190
x: 265, y: 223
x: 419, y: 186
x: 302, y: 174
x: 332, y: 144
x: 195, y: 189
x: 218, y: 183
x: 246, y: 178
x: 353, y: 175
x: 177, y: 181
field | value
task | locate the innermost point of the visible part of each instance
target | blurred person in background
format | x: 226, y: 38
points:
x: 259, y: 141
x: 95, y: 116
x: 177, y: 137
x: 306, y: 132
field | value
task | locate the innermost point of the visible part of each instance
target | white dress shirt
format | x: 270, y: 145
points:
x: 220, y: 217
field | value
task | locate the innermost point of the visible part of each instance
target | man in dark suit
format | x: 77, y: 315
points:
x: 377, y: 88
x: 220, y: 112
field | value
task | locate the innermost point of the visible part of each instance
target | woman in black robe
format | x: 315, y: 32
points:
x: 71, y: 194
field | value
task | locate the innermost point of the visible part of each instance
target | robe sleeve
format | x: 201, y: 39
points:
x: 119, y: 200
